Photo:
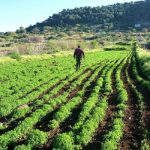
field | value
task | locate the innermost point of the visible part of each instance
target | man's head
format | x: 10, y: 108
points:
x: 78, y: 46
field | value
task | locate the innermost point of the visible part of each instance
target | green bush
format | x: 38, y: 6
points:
x: 115, y: 49
x: 123, y: 43
x: 94, y: 44
x: 15, y: 55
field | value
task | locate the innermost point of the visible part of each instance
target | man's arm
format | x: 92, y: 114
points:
x: 74, y: 55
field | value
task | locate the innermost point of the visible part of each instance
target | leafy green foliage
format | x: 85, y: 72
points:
x: 15, y: 55
x: 22, y: 147
x: 24, y: 95
x: 63, y: 142
x: 145, y: 145
x: 37, y: 138
x: 143, y: 64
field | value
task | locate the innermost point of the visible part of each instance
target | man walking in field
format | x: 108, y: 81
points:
x: 78, y: 54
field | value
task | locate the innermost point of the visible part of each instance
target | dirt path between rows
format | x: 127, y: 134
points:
x: 71, y: 120
x: 105, y: 125
x: 132, y: 134
x: 145, y: 114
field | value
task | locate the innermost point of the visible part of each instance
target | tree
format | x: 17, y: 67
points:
x: 21, y: 30
x: 35, y: 30
x: 47, y: 29
x: 94, y: 44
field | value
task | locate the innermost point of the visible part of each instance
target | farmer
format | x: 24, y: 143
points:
x: 78, y: 54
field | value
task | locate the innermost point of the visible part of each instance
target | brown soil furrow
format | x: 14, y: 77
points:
x: 132, y: 134
x: 42, y: 125
x: 105, y: 125
x: 70, y: 121
x: 146, y: 97
x: 4, y: 119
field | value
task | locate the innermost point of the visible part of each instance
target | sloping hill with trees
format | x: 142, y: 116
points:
x: 117, y: 16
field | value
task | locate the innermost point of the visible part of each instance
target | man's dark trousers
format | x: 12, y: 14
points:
x: 78, y: 62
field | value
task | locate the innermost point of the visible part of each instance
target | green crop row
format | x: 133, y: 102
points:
x: 35, y: 139
x: 10, y: 104
x: 66, y: 110
x: 17, y: 113
x: 81, y: 135
x: 93, y: 100
x: 141, y: 105
x: 112, y: 138
x: 48, y: 102
x: 88, y: 128
x: 143, y: 83
x: 136, y: 71
x: 26, y: 125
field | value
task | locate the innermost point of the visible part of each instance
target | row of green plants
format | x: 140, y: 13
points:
x: 143, y: 63
x: 101, y: 85
x: 144, y: 84
x: 141, y: 105
x: 141, y: 81
x: 113, y: 136
x: 65, y: 110
x: 10, y: 102
x: 82, y: 133
x: 35, y: 139
x: 25, y: 126
x: 18, y: 112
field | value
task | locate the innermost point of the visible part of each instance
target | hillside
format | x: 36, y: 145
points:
x: 117, y: 16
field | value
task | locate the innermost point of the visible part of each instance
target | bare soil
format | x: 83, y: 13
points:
x: 132, y: 133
